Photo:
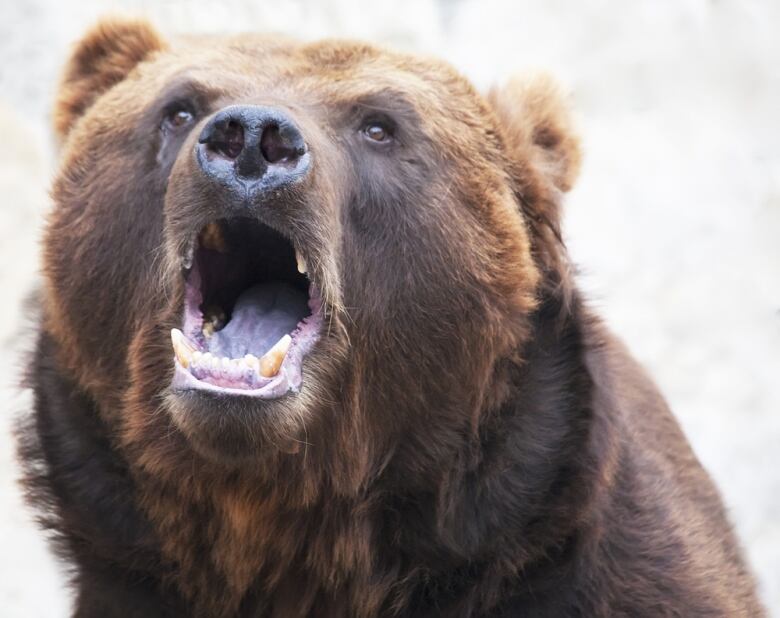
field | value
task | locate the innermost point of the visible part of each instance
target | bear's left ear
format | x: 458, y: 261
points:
x: 102, y: 58
x: 537, y: 129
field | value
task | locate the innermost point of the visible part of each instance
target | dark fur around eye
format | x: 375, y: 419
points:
x: 177, y: 116
x: 378, y: 130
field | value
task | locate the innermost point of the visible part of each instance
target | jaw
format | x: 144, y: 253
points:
x: 231, y: 430
x: 250, y: 319
x: 250, y: 314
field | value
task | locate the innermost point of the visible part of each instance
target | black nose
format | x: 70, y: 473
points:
x: 248, y: 147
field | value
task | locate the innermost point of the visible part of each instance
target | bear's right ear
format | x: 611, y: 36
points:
x: 102, y: 58
x: 543, y: 151
x: 536, y: 123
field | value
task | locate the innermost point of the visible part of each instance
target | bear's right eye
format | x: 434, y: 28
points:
x: 177, y: 117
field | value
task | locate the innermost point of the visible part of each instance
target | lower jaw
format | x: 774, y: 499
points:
x: 288, y: 378
x: 277, y: 386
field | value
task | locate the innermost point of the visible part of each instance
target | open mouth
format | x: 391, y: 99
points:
x: 251, y: 315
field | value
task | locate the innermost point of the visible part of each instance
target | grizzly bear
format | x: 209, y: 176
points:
x: 310, y: 345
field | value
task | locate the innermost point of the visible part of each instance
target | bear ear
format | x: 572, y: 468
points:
x: 537, y: 128
x: 102, y: 58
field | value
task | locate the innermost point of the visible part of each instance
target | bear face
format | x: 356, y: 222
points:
x: 320, y: 225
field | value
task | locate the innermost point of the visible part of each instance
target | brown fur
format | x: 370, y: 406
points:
x: 104, y: 58
x: 469, y: 441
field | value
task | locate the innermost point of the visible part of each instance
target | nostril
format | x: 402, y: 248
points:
x: 227, y: 139
x: 276, y: 149
x: 234, y: 140
x: 244, y: 144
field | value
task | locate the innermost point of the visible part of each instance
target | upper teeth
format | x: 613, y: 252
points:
x: 213, y: 320
x: 301, y: 262
x: 211, y: 238
x: 188, y: 355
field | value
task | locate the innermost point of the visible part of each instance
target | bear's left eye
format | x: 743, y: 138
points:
x: 378, y: 131
x: 177, y: 117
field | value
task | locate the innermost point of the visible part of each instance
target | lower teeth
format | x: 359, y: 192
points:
x: 229, y: 369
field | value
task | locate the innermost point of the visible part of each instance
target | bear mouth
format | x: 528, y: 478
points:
x: 251, y: 314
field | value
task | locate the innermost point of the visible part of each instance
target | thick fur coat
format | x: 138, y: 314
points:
x: 468, y: 439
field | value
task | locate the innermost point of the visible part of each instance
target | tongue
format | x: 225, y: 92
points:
x: 262, y: 315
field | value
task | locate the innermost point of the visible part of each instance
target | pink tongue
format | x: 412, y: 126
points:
x: 262, y: 315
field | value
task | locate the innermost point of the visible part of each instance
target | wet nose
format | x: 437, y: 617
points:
x: 250, y: 147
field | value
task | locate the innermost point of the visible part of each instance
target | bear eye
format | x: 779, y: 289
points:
x: 378, y: 131
x: 177, y: 117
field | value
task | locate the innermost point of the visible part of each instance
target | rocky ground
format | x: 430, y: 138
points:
x: 674, y: 223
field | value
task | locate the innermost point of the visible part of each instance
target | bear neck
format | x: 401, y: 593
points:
x: 512, y: 500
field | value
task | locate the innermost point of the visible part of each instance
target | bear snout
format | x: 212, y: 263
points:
x: 252, y: 150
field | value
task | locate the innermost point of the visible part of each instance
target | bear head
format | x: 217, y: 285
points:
x: 262, y: 248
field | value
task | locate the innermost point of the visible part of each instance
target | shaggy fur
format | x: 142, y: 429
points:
x: 468, y: 441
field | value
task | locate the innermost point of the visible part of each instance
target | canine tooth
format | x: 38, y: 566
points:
x: 301, y: 262
x: 179, y: 338
x: 272, y: 360
x: 189, y: 256
x: 211, y: 238
x: 182, y: 357
x: 183, y: 348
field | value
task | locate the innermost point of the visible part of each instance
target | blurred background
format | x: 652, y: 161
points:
x: 675, y: 222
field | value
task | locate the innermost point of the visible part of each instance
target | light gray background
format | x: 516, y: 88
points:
x: 674, y: 222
